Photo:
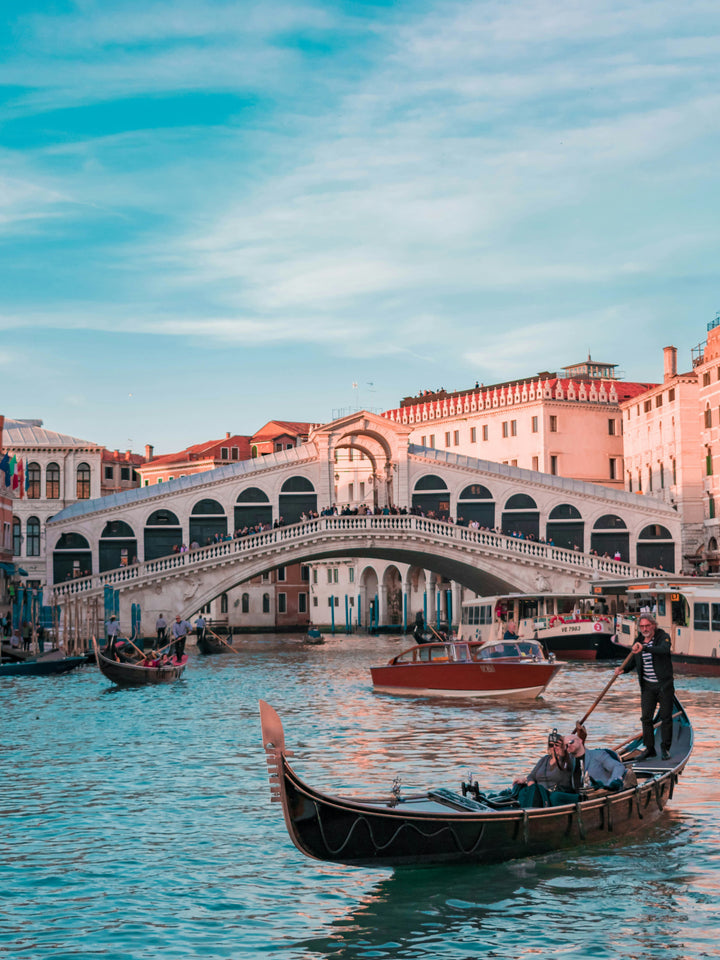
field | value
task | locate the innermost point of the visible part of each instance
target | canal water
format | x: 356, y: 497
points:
x: 138, y: 824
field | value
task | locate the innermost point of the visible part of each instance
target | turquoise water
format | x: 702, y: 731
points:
x: 137, y: 823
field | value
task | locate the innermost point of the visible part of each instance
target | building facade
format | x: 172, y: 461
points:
x: 566, y: 426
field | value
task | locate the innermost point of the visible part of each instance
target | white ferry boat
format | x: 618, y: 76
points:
x: 572, y: 626
x: 687, y: 609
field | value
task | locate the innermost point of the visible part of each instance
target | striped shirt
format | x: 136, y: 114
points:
x: 648, y: 669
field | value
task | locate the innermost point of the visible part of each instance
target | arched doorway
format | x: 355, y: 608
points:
x: 251, y: 508
x: 432, y: 497
x: 161, y: 535
x: 207, y: 521
x: 565, y: 527
x: 118, y: 546
x: 297, y: 496
x: 476, y: 505
x: 521, y: 517
x: 610, y: 536
x: 71, y: 558
x: 369, y: 598
x: 392, y: 584
x: 656, y: 548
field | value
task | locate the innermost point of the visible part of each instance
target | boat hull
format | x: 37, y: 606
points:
x: 208, y: 646
x: 131, y: 675
x: 41, y: 668
x: 464, y: 679
x: 437, y: 827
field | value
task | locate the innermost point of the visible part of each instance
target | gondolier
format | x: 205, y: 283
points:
x: 200, y: 628
x: 112, y: 628
x: 161, y: 628
x: 180, y: 629
x: 652, y: 660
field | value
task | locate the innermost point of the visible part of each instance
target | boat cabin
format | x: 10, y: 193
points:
x: 688, y: 611
x: 487, y: 617
x: 464, y: 652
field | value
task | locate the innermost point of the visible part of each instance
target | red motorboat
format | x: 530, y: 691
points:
x: 466, y: 668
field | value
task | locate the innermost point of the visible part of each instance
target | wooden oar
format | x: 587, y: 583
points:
x: 228, y: 645
x: 605, y: 689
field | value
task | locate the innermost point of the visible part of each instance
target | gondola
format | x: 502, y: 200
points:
x: 210, y: 645
x: 134, y: 675
x: 448, y: 826
x: 41, y: 666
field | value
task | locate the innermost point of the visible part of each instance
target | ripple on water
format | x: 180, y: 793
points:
x: 137, y: 823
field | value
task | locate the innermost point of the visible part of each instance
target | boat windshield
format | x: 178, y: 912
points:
x: 523, y: 649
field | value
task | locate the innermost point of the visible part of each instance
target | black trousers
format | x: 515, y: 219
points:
x: 654, y: 695
x: 179, y: 647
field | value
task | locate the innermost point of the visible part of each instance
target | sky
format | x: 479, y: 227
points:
x: 214, y: 214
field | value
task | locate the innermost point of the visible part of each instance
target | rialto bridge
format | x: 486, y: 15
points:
x: 513, y: 529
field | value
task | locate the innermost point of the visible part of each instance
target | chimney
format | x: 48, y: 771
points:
x: 670, y: 355
x: 148, y: 451
x: 227, y: 434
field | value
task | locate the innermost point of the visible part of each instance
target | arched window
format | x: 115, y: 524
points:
x: 83, y: 482
x: 33, y: 481
x: 431, y: 496
x: 476, y: 504
x: 297, y: 496
x: 246, y: 603
x: 266, y: 603
x: 252, y: 507
x: 521, y: 517
x: 708, y: 416
x: 610, y: 537
x: 162, y: 534
x: 224, y: 603
x: 565, y: 527
x: 208, y: 522
x: 52, y: 481
x: 33, y: 537
x: 17, y: 537
x: 656, y: 548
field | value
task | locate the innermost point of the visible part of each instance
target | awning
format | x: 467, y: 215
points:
x: 23, y: 573
x: 7, y: 567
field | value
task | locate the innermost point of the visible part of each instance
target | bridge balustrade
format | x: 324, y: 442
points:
x: 310, y: 530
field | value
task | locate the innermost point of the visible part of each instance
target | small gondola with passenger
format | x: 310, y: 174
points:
x: 142, y: 670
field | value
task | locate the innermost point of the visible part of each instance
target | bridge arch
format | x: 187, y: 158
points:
x: 521, y: 516
x: 297, y: 497
x: 252, y: 507
x: 609, y: 536
x: 208, y: 521
x: 117, y: 546
x: 431, y: 495
x: 72, y: 557
x: 477, y: 504
x: 162, y: 534
x: 656, y: 548
x: 566, y: 527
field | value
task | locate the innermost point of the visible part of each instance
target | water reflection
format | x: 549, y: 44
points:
x: 137, y: 823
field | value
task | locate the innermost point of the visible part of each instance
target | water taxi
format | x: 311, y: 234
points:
x: 688, y: 609
x: 456, y: 668
x: 572, y: 626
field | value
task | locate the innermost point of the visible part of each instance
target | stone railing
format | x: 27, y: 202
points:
x: 351, y: 529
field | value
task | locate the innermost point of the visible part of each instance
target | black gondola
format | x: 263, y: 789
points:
x: 443, y: 826
x: 209, y: 645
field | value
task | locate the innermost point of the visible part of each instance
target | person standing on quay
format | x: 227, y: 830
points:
x: 652, y: 660
x: 161, y: 628
x: 200, y: 628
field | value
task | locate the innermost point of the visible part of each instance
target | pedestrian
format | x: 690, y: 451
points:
x: 200, y: 628
x: 180, y: 630
x: 161, y: 629
x: 653, y: 662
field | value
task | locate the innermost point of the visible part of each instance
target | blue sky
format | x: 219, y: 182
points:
x: 213, y: 214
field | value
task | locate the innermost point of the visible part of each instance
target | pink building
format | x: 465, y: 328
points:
x: 569, y: 426
x: 662, y: 451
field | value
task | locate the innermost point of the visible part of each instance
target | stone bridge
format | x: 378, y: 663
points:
x: 131, y: 540
x: 484, y: 561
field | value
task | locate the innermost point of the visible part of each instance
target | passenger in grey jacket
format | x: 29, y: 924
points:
x: 594, y: 768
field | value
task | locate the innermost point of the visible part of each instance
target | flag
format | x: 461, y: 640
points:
x: 13, y: 471
x: 5, y: 467
x: 21, y: 478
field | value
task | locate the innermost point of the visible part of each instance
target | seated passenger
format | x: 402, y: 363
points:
x: 599, y: 769
x: 550, y: 782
